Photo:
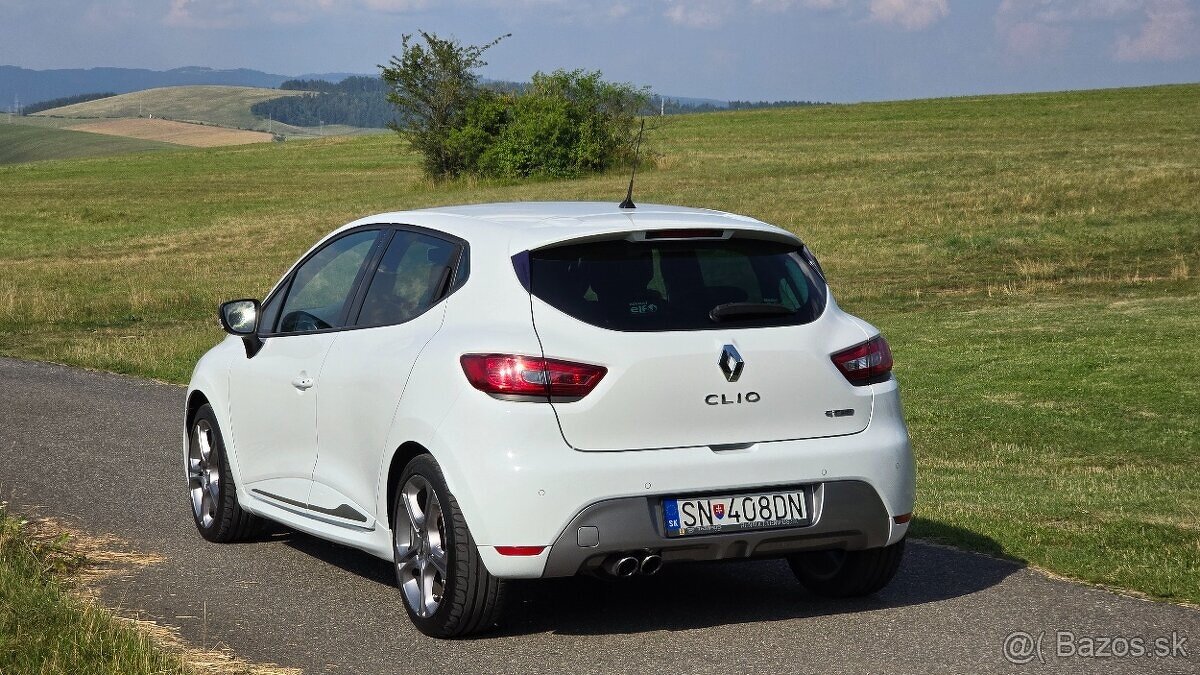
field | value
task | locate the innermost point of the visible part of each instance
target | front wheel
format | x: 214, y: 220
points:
x: 215, y: 506
x: 447, y: 590
x: 847, y: 574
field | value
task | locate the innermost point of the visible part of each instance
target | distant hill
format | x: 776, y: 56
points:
x: 216, y: 105
x: 33, y: 86
x: 210, y: 104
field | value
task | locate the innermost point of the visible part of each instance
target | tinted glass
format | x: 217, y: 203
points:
x: 322, y: 285
x: 675, y: 285
x: 413, y: 274
x: 270, y: 313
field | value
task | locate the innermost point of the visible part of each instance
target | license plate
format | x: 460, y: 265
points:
x: 731, y: 513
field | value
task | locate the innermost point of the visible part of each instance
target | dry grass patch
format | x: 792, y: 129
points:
x: 60, y: 627
x: 179, y: 133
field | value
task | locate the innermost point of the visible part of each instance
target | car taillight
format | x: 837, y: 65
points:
x: 513, y: 375
x: 866, y: 363
x: 520, y: 550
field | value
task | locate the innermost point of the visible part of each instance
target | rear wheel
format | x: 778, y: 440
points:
x: 447, y: 590
x: 215, y: 507
x: 847, y: 574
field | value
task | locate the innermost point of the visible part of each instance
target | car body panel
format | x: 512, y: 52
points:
x: 783, y: 392
x: 362, y: 382
x: 272, y: 421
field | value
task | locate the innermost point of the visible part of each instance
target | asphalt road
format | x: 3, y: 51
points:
x: 103, y: 452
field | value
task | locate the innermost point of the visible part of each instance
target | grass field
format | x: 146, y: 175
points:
x: 24, y: 143
x: 179, y: 133
x: 216, y: 105
x: 1033, y: 259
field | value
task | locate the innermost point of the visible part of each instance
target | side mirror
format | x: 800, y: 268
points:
x: 239, y: 317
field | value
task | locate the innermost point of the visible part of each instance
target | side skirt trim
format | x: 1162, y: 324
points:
x: 344, y: 511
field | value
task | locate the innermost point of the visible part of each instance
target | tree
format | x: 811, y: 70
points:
x: 432, y: 85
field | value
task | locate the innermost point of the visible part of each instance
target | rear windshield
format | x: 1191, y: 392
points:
x: 679, y: 285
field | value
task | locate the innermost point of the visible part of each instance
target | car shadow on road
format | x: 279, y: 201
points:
x: 702, y: 595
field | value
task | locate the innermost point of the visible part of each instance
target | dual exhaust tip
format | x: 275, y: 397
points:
x: 625, y: 565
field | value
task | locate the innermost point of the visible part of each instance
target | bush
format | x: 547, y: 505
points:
x: 567, y: 123
x: 563, y: 124
x: 483, y: 120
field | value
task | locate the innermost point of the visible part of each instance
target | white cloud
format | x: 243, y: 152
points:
x: 1166, y: 30
x: 1169, y: 33
x: 909, y: 14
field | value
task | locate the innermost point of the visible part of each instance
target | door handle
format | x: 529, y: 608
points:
x: 302, y: 382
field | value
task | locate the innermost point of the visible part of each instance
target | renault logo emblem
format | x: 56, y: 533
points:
x: 731, y: 363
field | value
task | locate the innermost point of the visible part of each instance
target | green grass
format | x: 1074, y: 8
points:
x: 1034, y: 260
x: 219, y: 105
x: 25, y: 143
x: 46, y: 630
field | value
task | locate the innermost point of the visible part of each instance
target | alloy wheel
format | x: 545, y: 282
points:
x: 421, y: 561
x: 204, y: 473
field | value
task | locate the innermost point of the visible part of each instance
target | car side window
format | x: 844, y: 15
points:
x: 321, y: 286
x: 270, y: 312
x: 412, y: 276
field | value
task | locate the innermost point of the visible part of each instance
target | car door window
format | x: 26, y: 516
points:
x: 270, y: 311
x: 321, y: 285
x: 413, y: 274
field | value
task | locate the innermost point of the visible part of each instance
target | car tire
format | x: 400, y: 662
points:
x: 446, y: 589
x: 211, y: 489
x: 847, y: 574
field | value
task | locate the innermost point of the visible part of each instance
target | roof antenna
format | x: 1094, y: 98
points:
x: 628, y: 203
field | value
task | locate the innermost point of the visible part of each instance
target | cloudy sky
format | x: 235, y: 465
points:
x: 836, y: 50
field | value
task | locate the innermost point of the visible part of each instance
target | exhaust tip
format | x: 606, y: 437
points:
x: 621, y: 565
x: 626, y: 567
x: 651, y: 564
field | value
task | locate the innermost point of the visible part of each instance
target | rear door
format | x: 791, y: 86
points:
x: 708, y: 341
x: 367, y: 369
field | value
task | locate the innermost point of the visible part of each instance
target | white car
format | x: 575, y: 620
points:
x: 524, y: 390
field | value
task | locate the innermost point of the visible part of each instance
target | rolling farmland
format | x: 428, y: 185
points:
x: 1033, y: 259
x: 169, y: 131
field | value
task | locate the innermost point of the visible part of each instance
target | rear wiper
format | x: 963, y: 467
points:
x: 733, y: 311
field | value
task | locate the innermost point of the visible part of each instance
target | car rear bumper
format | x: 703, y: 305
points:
x: 530, y: 490
x: 846, y: 515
